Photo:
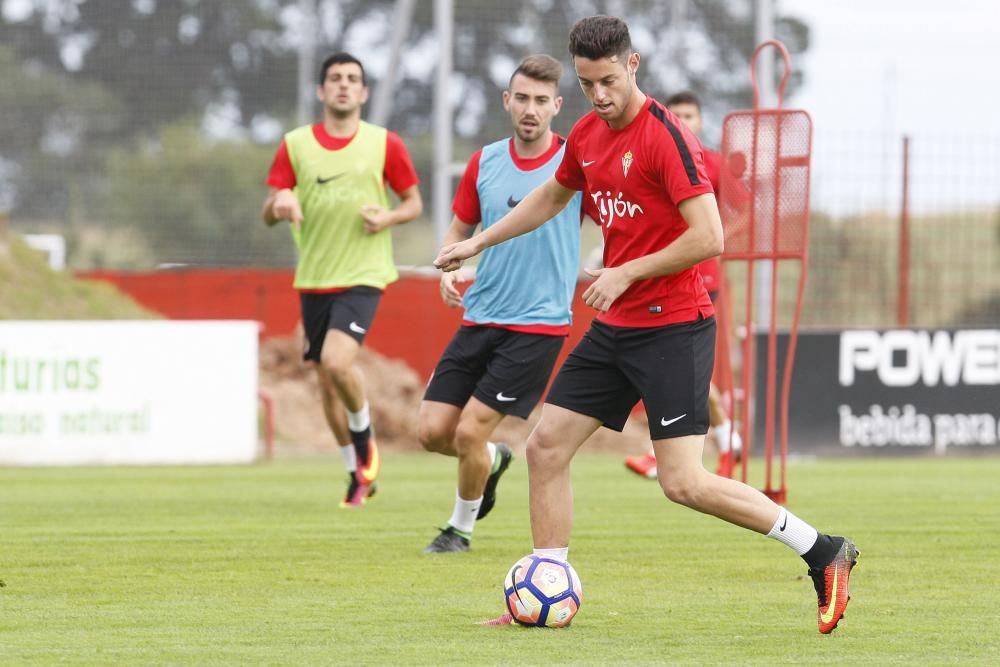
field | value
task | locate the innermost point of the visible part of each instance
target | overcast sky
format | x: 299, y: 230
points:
x: 880, y: 68
x: 918, y: 64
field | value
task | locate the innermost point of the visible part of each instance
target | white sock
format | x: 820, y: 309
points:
x: 350, y: 457
x: 721, y: 435
x: 493, y: 453
x: 360, y: 420
x: 464, y: 516
x: 558, y: 553
x: 794, y: 532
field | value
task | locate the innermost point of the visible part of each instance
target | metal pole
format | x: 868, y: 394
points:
x: 678, y: 12
x: 903, y: 296
x: 307, y: 62
x: 767, y: 97
x: 443, y: 25
x: 381, y: 107
x: 763, y: 31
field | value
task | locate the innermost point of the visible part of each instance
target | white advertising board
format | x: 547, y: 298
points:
x: 128, y: 392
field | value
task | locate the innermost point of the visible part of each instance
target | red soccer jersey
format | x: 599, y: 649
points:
x: 398, y: 171
x: 710, y: 270
x: 635, y: 178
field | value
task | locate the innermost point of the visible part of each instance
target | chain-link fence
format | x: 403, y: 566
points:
x: 142, y: 132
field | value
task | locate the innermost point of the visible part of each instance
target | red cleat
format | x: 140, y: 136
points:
x: 725, y: 467
x: 831, y: 586
x: 358, y: 492
x: 644, y: 465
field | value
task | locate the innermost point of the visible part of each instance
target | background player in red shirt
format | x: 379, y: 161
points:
x: 653, y: 338
x: 686, y: 106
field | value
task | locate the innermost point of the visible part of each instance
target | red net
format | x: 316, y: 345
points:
x: 764, y: 189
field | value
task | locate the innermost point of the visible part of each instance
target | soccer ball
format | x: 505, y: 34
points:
x: 542, y: 592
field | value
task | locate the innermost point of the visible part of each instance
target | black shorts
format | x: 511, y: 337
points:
x: 506, y: 370
x: 350, y: 311
x: 668, y: 367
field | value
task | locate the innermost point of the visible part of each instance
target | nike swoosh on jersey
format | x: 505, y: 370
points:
x: 321, y: 181
x: 587, y: 163
x: 505, y: 399
x: 668, y: 422
x: 353, y: 326
x: 511, y: 202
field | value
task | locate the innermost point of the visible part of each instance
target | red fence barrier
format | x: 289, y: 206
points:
x: 412, y: 323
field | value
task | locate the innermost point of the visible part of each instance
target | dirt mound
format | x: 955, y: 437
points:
x: 394, y: 391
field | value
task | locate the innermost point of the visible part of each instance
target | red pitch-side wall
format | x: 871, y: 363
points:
x: 412, y: 323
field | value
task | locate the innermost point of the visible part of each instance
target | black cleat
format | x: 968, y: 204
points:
x: 447, y: 541
x: 504, y: 456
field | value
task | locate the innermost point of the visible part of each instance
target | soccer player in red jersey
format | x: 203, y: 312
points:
x: 686, y: 106
x: 653, y: 337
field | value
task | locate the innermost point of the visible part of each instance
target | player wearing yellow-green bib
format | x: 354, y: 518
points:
x: 328, y: 180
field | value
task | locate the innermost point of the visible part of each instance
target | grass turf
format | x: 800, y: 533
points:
x: 256, y: 565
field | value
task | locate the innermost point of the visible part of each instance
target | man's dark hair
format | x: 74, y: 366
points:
x: 597, y: 37
x: 540, y: 67
x: 683, y: 97
x: 338, y: 59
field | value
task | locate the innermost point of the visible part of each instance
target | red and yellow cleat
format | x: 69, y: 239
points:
x: 358, y: 493
x: 368, y: 472
x: 644, y: 465
x: 831, y: 582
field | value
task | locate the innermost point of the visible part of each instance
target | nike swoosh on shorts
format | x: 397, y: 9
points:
x: 668, y: 422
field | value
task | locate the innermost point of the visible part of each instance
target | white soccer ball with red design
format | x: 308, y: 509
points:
x: 543, y: 592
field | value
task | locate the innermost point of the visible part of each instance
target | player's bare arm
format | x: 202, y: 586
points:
x: 459, y: 231
x: 281, y: 205
x: 703, y: 239
x: 376, y: 218
x: 538, y: 206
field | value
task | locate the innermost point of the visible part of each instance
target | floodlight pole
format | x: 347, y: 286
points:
x: 382, y: 103
x: 307, y: 62
x: 443, y: 25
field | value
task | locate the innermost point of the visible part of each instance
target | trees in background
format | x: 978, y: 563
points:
x: 162, y: 116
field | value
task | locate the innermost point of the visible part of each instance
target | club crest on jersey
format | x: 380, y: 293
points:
x: 626, y: 162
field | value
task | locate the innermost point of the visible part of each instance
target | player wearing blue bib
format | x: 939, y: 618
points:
x: 517, y: 312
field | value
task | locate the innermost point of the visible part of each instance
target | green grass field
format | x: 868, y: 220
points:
x: 256, y: 565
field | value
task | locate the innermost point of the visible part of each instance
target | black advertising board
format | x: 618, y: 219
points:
x: 896, y: 391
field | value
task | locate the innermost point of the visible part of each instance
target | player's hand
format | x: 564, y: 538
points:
x: 286, y: 207
x: 376, y: 218
x: 608, y: 285
x: 452, y: 255
x: 449, y: 292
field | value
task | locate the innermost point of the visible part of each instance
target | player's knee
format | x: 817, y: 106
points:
x: 542, y: 449
x: 468, y: 438
x: 681, y: 488
x: 432, y: 436
x: 337, y: 369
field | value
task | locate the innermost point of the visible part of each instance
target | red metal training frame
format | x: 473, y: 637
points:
x: 764, y: 201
